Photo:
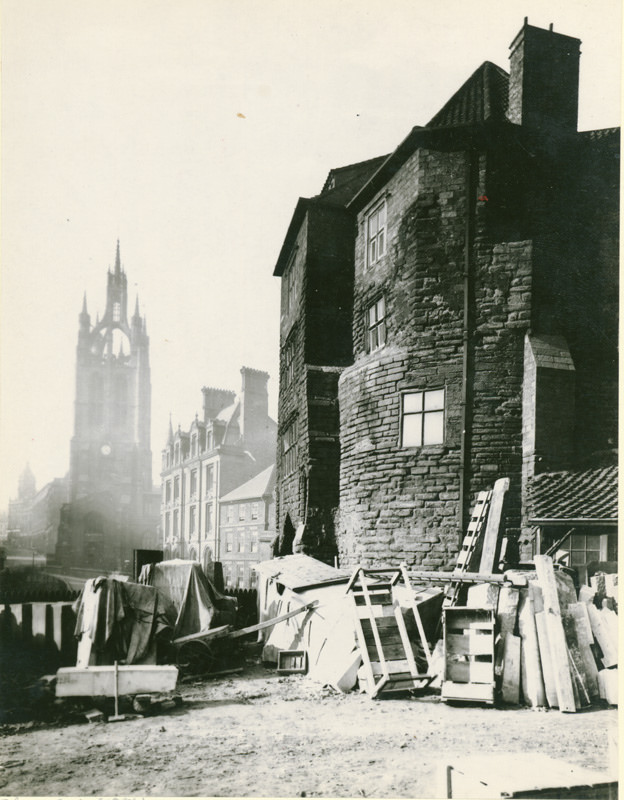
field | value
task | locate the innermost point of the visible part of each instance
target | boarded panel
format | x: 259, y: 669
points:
x: 100, y: 681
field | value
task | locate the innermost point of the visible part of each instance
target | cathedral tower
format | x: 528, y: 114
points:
x: 110, y: 474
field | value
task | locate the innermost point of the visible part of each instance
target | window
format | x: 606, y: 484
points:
x: 176, y: 523
x: 422, y: 418
x: 230, y: 513
x: 167, y: 523
x: 376, y: 234
x: 209, y: 440
x: 208, y: 517
x: 193, y: 483
x: 289, y: 448
x: 176, y: 488
x: 116, y: 312
x: 376, y: 324
x: 289, y: 361
x: 228, y: 545
x: 209, y: 478
x: 253, y: 545
x: 194, y: 444
x: 192, y: 520
x: 241, y: 576
x: 168, y: 491
x: 587, y: 547
x: 241, y: 546
x: 254, y: 511
x: 241, y: 512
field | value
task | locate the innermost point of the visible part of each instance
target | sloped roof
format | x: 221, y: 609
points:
x: 260, y: 485
x: 482, y: 97
x: 300, y: 571
x: 343, y: 182
x: 574, y: 497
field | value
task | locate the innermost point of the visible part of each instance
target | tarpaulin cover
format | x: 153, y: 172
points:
x: 198, y: 604
x: 122, y: 621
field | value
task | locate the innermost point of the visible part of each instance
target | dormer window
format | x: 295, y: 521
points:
x: 376, y: 233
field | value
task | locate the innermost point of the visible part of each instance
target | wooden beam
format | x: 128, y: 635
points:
x: 449, y: 577
x: 491, y: 538
x: 270, y: 622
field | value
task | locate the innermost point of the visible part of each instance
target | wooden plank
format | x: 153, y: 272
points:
x: 577, y: 663
x: 510, y: 684
x: 548, y: 673
x: 469, y: 671
x: 491, y: 539
x: 578, y: 613
x: 468, y: 644
x: 450, y: 577
x: 602, y: 634
x: 270, y: 622
x: 507, y: 609
x: 390, y: 651
x: 381, y: 622
x: 531, y: 679
x: 366, y: 612
x: 468, y: 691
x: 506, y: 614
x: 399, y: 665
x: 556, y: 635
x: 100, y: 681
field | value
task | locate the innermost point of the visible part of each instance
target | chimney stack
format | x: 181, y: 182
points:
x: 544, y: 80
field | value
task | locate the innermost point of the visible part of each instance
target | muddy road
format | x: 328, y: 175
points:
x: 256, y: 734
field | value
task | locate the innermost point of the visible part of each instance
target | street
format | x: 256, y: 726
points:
x: 257, y: 734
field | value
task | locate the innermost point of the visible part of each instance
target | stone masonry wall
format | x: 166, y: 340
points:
x: 398, y: 503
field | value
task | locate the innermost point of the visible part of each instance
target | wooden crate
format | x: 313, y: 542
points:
x: 468, y: 654
x: 292, y: 661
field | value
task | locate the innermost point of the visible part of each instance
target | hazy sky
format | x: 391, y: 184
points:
x: 188, y: 129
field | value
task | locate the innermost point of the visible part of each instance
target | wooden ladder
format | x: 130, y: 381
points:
x: 473, y: 534
x: 389, y: 664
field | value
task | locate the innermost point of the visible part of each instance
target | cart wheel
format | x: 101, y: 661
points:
x: 195, y: 658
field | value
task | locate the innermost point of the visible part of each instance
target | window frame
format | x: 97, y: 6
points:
x: 377, y: 329
x: 289, y: 442
x: 424, y: 414
x: 381, y: 233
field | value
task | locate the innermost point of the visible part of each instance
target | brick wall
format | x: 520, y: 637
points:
x: 399, y: 503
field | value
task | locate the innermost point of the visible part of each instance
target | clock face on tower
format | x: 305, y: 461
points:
x: 105, y: 449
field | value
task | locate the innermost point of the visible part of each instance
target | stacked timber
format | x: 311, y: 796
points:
x: 553, y: 648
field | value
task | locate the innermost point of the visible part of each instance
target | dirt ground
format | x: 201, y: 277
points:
x: 257, y: 734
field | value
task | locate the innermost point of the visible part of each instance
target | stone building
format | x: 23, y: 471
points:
x: 113, y: 507
x: 247, y: 516
x: 19, y: 513
x: 476, y: 269
x: 232, y: 442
